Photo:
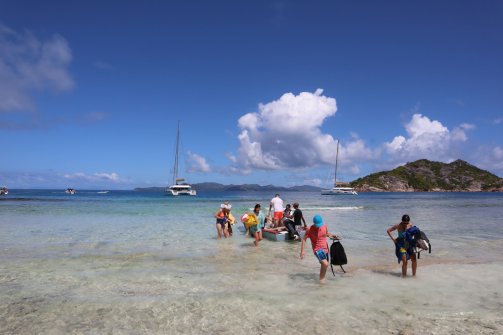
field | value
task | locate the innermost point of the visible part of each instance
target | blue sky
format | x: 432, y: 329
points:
x: 91, y: 91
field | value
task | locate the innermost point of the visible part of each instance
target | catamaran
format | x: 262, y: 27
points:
x: 4, y: 190
x: 71, y: 191
x: 179, y: 187
x: 340, y: 188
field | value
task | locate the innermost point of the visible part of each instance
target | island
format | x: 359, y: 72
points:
x: 429, y: 176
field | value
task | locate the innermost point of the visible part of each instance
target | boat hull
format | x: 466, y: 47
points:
x: 181, y: 193
x: 274, y: 235
x: 339, y: 191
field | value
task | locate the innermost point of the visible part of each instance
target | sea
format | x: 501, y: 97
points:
x: 126, y: 262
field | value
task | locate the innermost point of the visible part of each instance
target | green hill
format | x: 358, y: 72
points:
x: 427, y: 176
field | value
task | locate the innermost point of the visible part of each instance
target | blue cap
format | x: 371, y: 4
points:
x: 318, y: 221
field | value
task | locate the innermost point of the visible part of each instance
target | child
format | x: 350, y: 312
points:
x: 254, y: 222
x: 318, y: 233
x: 222, y: 216
x: 230, y: 218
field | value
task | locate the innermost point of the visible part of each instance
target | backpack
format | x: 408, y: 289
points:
x: 419, y: 241
x: 337, y: 255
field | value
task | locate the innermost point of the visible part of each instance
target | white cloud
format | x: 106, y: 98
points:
x: 197, y: 163
x: 54, y: 179
x: 315, y: 182
x: 426, y: 139
x: 498, y: 153
x: 231, y: 157
x: 95, y: 177
x: 498, y: 120
x: 490, y: 158
x: 285, y: 132
x: 28, y: 64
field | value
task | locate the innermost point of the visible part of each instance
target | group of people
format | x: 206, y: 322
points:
x: 279, y: 218
x: 283, y: 218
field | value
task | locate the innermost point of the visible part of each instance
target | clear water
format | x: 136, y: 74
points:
x: 143, y: 263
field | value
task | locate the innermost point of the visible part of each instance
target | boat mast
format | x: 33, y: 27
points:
x: 175, y: 167
x: 336, y: 159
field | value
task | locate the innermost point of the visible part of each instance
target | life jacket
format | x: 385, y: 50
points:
x: 221, y: 217
x: 252, y: 220
x: 337, y: 255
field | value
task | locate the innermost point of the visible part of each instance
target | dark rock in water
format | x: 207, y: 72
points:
x: 427, y: 176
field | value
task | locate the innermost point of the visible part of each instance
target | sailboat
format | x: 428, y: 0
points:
x: 179, y: 187
x: 339, y: 188
x: 4, y: 190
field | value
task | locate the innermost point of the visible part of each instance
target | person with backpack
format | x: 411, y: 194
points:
x: 403, y: 248
x: 318, y: 234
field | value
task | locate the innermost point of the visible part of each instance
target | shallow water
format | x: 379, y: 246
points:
x: 142, y: 263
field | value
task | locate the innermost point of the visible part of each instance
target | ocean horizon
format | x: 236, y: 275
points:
x: 142, y: 262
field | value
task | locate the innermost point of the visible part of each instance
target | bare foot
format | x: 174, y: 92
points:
x: 323, y: 281
x: 256, y: 243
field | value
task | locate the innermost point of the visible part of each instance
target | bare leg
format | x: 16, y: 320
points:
x: 404, y: 265
x: 414, y: 264
x: 226, y: 231
x: 219, y: 230
x: 323, y: 270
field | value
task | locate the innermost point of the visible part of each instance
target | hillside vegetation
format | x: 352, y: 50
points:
x: 427, y: 176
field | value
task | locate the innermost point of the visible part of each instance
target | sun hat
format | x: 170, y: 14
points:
x: 244, y: 217
x: 318, y: 221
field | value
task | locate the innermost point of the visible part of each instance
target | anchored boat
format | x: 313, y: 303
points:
x: 340, y: 188
x: 179, y: 187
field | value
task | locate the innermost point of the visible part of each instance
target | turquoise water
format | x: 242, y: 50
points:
x: 142, y: 263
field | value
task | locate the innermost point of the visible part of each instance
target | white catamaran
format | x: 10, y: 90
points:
x: 340, y: 188
x: 179, y: 187
x: 4, y: 190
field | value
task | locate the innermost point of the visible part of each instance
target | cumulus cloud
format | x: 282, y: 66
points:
x: 27, y: 65
x: 426, y: 139
x: 197, y: 163
x: 285, y: 132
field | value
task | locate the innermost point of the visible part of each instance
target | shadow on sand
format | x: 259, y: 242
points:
x: 387, y: 272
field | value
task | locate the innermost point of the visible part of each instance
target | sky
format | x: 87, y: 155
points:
x: 91, y: 91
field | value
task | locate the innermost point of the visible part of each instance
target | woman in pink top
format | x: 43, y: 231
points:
x: 318, y: 234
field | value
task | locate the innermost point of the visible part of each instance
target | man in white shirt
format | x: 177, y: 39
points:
x: 277, y: 205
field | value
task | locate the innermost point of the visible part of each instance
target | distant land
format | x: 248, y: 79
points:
x: 216, y: 187
x: 419, y: 176
x: 428, y: 176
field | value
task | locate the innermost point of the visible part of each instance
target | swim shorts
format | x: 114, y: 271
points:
x: 321, y: 255
x: 278, y: 215
x: 222, y: 222
x: 254, y: 229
